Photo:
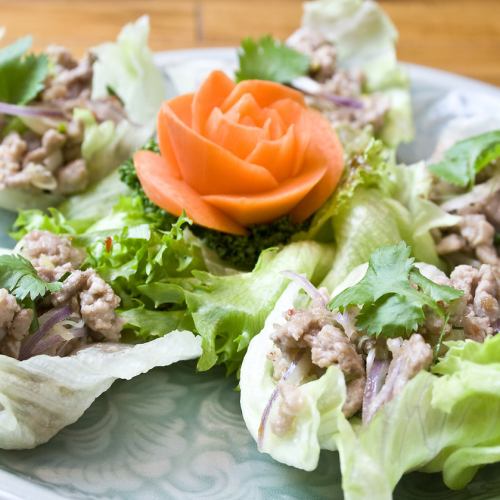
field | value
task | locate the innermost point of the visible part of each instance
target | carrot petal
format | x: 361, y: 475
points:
x: 210, y: 95
x: 235, y: 137
x: 265, y: 207
x: 174, y: 195
x: 325, y: 149
x: 277, y: 156
x: 181, y: 106
x: 264, y: 93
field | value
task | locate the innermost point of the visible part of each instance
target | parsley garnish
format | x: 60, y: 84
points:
x: 270, y: 59
x: 20, y: 278
x: 22, y: 75
x: 393, y: 294
x: 463, y: 161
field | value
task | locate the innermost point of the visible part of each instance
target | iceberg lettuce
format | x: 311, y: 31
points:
x: 40, y: 396
x: 228, y: 311
x: 323, y: 398
x: 127, y: 67
x: 377, y: 203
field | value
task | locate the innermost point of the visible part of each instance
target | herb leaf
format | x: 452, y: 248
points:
x: 463, y: 161
x: 270, y: 59
x: 21, y: 75
x: 20, y: 279
x: 393, y: 294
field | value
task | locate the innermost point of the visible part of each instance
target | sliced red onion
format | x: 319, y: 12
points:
x: 307, y: 286
x: 49, y: 320
x: 386, y: 393
x: 376, y: 373
x: 311, y: 88
x: 272, y: 399
x: 15, y: 110
x: 347, y: 321
x: 58, y: 341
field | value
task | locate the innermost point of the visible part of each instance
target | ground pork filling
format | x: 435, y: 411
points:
x: 322, y: 338
x: 91, y: 303
x: 339, y: 82
x: 52, y: 161
x: 475, y: 239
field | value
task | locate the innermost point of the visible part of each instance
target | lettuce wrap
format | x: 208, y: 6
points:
x: 444, y: 419
x: 365, y: 39
x: 124, y: 71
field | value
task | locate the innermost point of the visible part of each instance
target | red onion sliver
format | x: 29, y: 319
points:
x: 15, y: 110
x: 312, y: 88
x: 272, y: 399
x: 53, y: 317
x: 375, y: 379
x: 307, y: 286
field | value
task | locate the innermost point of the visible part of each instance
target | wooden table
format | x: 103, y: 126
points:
x: 457, y: 35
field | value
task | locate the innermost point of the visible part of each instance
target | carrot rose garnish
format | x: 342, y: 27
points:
x: 234, y: 155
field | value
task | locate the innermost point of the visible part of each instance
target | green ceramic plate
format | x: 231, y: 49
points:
x: 176, y: 434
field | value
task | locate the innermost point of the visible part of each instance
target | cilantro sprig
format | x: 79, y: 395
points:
x: 393, y: 294
x: 463, y: 161
x: 22, y: 75
x: 20, y: 278
x: 270, y: 59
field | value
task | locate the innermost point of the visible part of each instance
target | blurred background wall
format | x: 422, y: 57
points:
x: 457, y: 35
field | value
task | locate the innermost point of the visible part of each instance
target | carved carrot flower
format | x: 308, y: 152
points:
x: 235, y: 155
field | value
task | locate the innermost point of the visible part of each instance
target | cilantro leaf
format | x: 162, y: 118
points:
x: 438, y: 293
x: 384, y: 316
x: 387, y: 272
x: 270, y: 59
x: 393, y: 294
x: 463, y: 161
x: 20, y: 278
x: 21, y: 76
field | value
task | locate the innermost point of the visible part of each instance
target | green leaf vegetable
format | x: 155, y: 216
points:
x: 377, y: 203
x: 127, y: 67
x: 464, y: 160
x: 393, y: 294
x: 270, y: 59
x: 21, y: 74
x: 20, y: 278
x: 229, y: 310
x: 166, y: 280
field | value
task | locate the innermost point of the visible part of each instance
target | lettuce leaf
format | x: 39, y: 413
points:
x: 447, y: 423
x: 43, y: 394
x: 365, y: 39
x: 229, y: 310
x: 168, y: 276
x: 377, y: 203
x: 127, y: 68
x: 99, y: 199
